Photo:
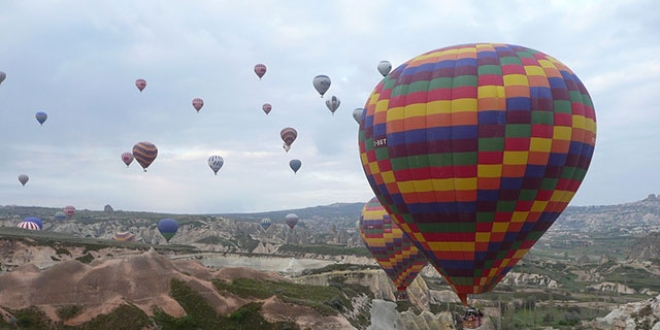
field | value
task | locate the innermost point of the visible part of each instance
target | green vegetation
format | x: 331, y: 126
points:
x: 322, y: 249
x: 87, y: 258
x: 69, y: 311
x: 215, y: 240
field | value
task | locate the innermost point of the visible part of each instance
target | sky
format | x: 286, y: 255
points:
x: 78, y: 62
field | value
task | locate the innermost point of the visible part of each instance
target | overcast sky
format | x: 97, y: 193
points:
x: 78, y: 62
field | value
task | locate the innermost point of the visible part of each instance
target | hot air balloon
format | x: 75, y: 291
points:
x: 384, y: 67
x: 59, y: 215
x: 41, y: 117
x: 291, y: 220
x: 266, y: 108
x: 168, y: 227
x: 127, y: 158
x: 124, y: 236
x: 35, y: 220
x: 145, y: 153
x: 69, y: 211
x: 197, y: 103
x: 141, y: 84
x: 260, y: 70
x: 391, y: 247
x: 23, y: 179
x: 288, y: 135
x: 357, y: 114
x: 215, y: 163
x: 475, y: 150
x: 333, y: 104
x: 321, y: 83
x: 29, y: 225
x: 265, y: 223
x: 295, y: 165
x: 2, y: 76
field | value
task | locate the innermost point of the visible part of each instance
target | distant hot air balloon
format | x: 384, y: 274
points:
x: 321, y: 83
x: 197, y: 103
x: 35, y: 220
x: 384, y: 67
x: 332, y: 104
x: 69, y: 211
x: 357, y: 114
x: 288, y: 135
x: 29, y: 225
x: 266, y: 108
x: 41, y: 117
x: 2, y: 76
x: 295, y: 165
x: 141, y: 84
x: 391, y: 247
x: 127, y: 158
x: 23, y: 179
x: 145, y: 153
x: 59, y: 215
x: 168, y: 227
x: 265, y: 223
x: 291, y: 220
x: 215, y: 163
x: 124, y: 236
x: 479, y: 159
x: 260, y: 70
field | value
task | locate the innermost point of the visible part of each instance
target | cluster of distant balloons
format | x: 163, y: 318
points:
x: 290, y: 219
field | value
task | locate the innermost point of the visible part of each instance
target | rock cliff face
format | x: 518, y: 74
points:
x: 632, y: 316
x: 646, y: 248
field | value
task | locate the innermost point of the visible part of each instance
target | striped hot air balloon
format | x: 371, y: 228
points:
x: 391, y: 247
x: 265, y: 223
x: 36, y: 220
x: 475, y: 150
x: 124, y: 236
x: 59, y: 215
x: 69, y: 210
x: 288, y: 135
x: 29, y: 225
x: 145, y: 153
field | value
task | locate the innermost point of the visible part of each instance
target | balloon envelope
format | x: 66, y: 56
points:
x: 69, y: 211
x: 333, y: 104
x: 145, y: 153
x: 288, y: 135
x: 475, y: 150
x: 168, y: 227
x: 295, y: 165
x: 321, y: 83
x: 2, y: 76
x: 266, y: 108
x: 384, y: 67
x: 215, y: 163
x: 35, y: 220
x: 141, y: 84
x: 260, y: 70
x: 124, y: 236
x: 265, y: 223
x: 41, y: 117
x: 59, y: 215
x: 357, y: 114
x: 23, y: 179
x: 29, y: 225
x: 127, y: 158
x: 291, y: 220
x: 197, y: 103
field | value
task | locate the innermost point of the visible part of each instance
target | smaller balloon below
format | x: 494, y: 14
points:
x: 333, y: 104
x: 357, y: 115
x: 266, y: 108
x: 384, y: 67
x: 197, y: 103
x: 295, y: 165
x: 215, y: 163
x: 260, y: 70
x: 127, y: 158
x: 141, y: 84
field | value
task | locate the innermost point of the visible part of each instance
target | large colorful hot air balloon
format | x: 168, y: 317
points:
x: 168, y: 227
x: 288, y: 135
x: 29, y: 225
x: 291, y: 220
x: 295, y: 165
x: 59, y: 215
x: 475, y: 150
x: 384, y: 67
x: 333, y: 104
x: 392, y: 249
x: 321, y: 83
x: 35, y: 220
x: 41, y: 117
x: 260, y: 70
x: 124, y: 236
x: 145, y: 153
x: 197, y: 103
x: 266, y: 108
x: 141, y: 84
x: 265, y: 223
x: 69, y: 210
x: 215, y: 163
x: 2, y: 76
x: 127, y: 158
x: 23, y: 179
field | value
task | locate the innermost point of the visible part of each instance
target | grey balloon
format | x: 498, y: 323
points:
x: 384, y: 67
x: 321, y: 83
